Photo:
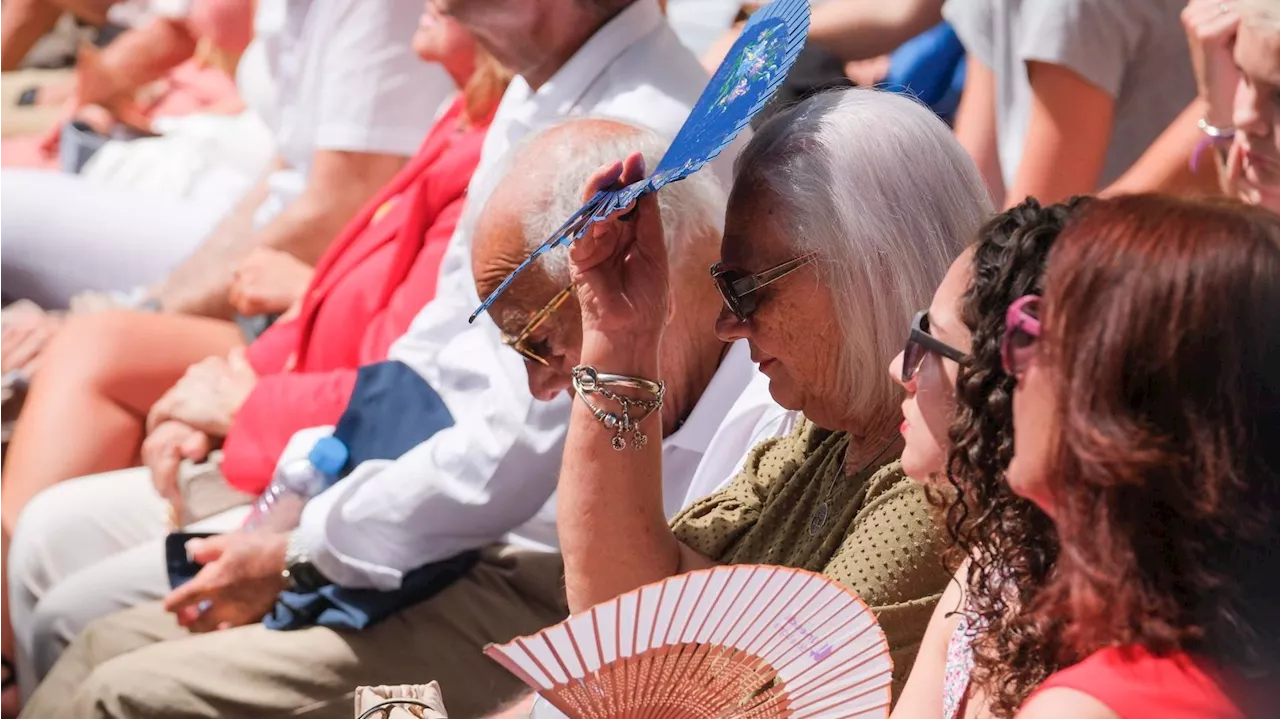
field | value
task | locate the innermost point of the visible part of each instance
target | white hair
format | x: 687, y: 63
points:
x: 1262, y: 14
x: 692, y: 209
x: 878, y: 187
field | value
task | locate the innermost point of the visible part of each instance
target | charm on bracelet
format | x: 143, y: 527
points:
x: 587, y: 381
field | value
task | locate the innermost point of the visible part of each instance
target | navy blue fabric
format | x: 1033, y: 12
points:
x: 931, y: 67
x: 355, y: 609
x: 391, y: 411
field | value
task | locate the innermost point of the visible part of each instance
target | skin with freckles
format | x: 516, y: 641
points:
x: 803, y: 374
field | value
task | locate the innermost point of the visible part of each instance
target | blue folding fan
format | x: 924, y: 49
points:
x: 740, y: 87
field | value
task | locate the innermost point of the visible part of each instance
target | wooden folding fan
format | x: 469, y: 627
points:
x: 734, y: 641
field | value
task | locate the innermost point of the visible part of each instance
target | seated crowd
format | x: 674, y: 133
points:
x: 261, y: 457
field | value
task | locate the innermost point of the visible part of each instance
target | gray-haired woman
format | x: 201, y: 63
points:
x: 843, y: 217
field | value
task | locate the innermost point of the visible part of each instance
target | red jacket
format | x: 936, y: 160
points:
x: 367, y: 288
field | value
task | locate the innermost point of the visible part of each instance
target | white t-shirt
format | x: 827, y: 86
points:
x: 345, y: 77
x: 1134, y: 50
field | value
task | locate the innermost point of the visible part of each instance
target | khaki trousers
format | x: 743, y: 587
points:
x: 140, y: 664
x: 92, y: 546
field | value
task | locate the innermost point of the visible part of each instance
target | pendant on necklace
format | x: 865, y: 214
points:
x: 819, y: 519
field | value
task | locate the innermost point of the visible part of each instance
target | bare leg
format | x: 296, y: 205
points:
x: 88, y: 403
x: 22, y: 24
x: 26, y: 21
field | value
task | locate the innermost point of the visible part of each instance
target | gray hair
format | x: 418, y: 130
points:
x: 878, y: 187
x: 692, y: 209
x: 1262, y: 14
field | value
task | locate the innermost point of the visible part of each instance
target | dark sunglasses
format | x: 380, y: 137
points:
x: 738, y: 287
x: 921, y: 343
x: 1021, y: 332
x: 519, y: 342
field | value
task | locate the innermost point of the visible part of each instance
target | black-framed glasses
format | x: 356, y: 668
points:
x: 738, y: 287
x: 518, y: 343
x: 921, y: 343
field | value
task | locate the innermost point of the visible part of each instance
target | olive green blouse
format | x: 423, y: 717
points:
x: 791, y: 505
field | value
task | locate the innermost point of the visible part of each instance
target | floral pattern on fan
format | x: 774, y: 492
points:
x: 736, y: 641
x: 751, y: 72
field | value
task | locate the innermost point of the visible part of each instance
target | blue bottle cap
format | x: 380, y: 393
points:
x: 329, y: 455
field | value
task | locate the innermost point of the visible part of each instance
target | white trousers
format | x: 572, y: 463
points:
x: 63, y: 234
x: 83, y: 549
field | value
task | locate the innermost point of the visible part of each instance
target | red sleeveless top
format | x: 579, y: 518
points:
x: 1137, y: 684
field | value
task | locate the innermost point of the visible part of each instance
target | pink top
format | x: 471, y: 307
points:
x: 1136, y: 684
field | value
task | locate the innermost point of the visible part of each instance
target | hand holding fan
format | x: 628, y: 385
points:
x: 740, y: 87
x: 733, y: 641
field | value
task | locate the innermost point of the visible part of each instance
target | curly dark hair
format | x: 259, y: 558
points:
x: 1010, y: 544
x: 1161, y: 331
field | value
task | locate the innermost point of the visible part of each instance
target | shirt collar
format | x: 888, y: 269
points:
x: 731, y: 378
x: 560, y: 94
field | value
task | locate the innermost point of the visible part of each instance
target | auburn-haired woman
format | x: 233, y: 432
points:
x: 1147, y: 426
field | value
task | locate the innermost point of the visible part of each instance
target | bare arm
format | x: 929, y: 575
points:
x: 1166, y: 165
x: 1068, y: 132
x: 922, y: 695
x: 613, y: 531
x: 852, y: 29
x: 144, y: 54
x: 976, y: 124
x: 861, y: 29
x: 339, y: 183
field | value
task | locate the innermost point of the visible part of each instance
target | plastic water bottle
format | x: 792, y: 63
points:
x: 279, y: 508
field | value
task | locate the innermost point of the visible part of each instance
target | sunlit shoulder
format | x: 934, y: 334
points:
x: 1063, y: 703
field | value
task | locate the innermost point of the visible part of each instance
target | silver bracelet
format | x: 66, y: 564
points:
x: 587, y: 381
x: 1215, y: 133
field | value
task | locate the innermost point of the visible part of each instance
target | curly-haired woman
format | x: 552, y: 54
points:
x: 1147, y: 426
x: 958, y: 426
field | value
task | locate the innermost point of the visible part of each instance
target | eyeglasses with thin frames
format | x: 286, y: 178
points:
x: 921, y: 343
x: 517, y: 343
x: 738, y: 288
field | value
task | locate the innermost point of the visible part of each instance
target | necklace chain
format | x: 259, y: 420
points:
x: 818, y: 521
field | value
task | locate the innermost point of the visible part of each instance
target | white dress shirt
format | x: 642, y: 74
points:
x: 493, y: 470
x: 345, y: 78
x: 734, y: 414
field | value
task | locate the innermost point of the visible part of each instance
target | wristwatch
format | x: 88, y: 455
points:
x: 299, y: 574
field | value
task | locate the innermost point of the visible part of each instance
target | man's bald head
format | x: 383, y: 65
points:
x: 540, y: 188
x: 543, y: 185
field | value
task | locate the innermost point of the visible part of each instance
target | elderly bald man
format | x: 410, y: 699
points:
x: 140, y: 664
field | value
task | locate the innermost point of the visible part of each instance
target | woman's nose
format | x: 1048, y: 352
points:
x: 895, y: 372
x: 544, y: 382
x: 729, y: 327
